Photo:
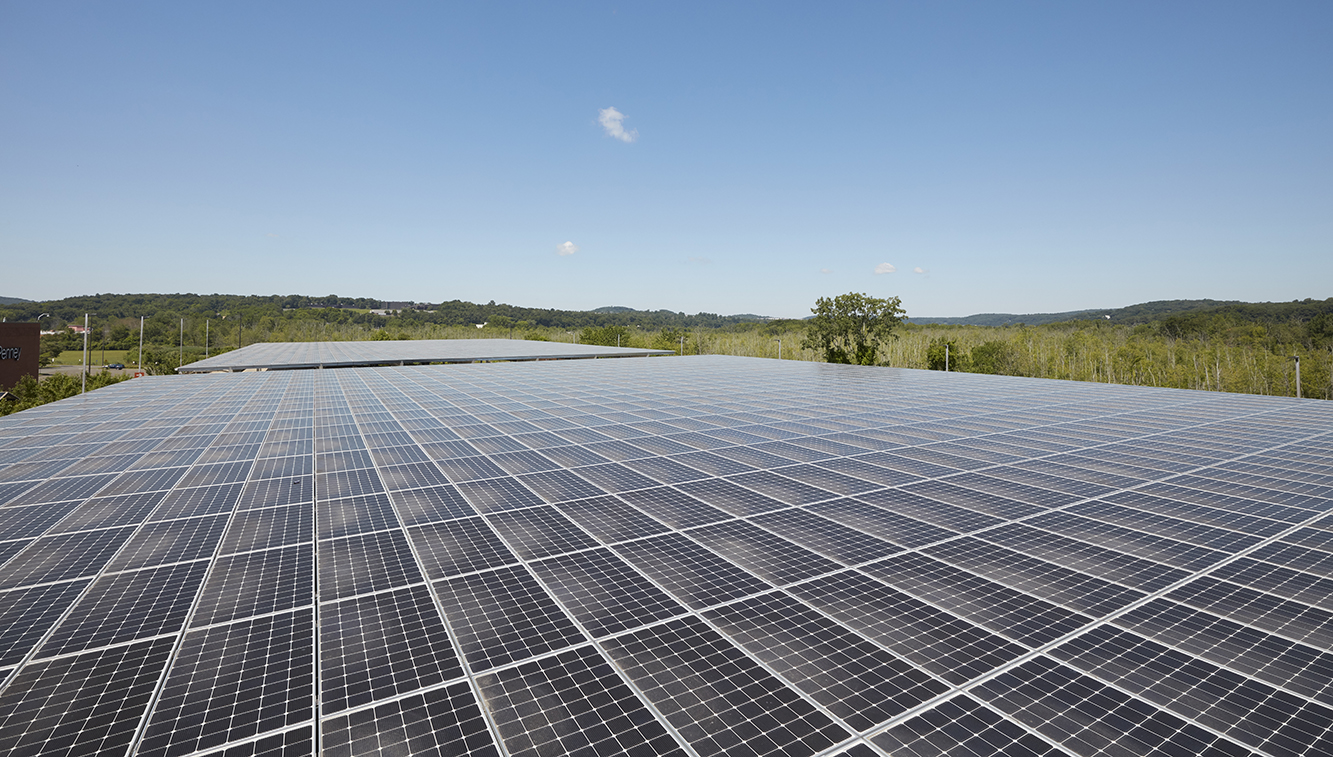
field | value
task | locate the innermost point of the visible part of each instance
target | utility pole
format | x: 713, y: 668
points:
x: 1298, y: 376
x: 682, y: 346
x: 779, y: 349
x: 181, y: 358
x: 141, y: 344
x: 84, y: 386
x: 946, y: 357
x: 205, y: 337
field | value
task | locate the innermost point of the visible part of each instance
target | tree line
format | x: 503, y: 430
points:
x: 1245, y: 347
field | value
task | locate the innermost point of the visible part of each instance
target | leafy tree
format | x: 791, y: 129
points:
x: 607, y: 336
x: 668, y: 339
x: 1320, y: 330
x: 942, y: 350
x: 851, y: 328
x: 158, y: 362
x: 995, y: 357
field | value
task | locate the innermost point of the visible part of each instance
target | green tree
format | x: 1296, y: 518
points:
x: 997, y: 357
x: 159, y: 362
x: 607, y: 336
x: 668, y: 339
x: 942, y: 351
x: 851, y: 328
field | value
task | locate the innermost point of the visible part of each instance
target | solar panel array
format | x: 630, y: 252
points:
x: 700, y: 556
x: 269, y: 355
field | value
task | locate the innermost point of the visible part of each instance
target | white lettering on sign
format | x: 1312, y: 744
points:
x: 10, y: 353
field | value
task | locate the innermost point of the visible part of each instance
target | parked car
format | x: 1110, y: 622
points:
x: 116, y: 366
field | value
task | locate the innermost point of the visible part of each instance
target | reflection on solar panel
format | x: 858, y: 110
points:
x: 273, y: 355
x: 701, y: 556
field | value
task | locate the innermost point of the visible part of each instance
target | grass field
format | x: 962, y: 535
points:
x: 75, y: 357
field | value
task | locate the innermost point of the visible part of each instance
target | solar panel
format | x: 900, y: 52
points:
x: 701, y: 556
x: 286, y: 355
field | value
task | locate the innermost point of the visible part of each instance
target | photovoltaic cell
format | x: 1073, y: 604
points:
x: 381, y: 645
x: 604, y: 593
x: 1102, y: 569
x: 764, y: 554
x: 366, y: 563
x: 943, y: 644
x: 255, y: 583
x: 720, y: 699
x: 263, y: 667
x: 81, y: 704
x: 128, y: 606
x: 298, y: 742
x: 538, y: 532
x: 270, y: 527
x: 694, y: 575
x: 610, y: 519
x: 28, y: 614
x: 62, y: 557
x: 441, y: 721
x: 846, y: 545
x: 859, y: 682
x: 573, y: 704
x: 171, y: 541
x: 459, y: 546
x: 1092, y: 718
x: 962, y: 725
x: 673, y: 507
x: 502, y: 616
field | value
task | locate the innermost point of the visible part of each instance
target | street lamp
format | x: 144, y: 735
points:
x: 83, y: 387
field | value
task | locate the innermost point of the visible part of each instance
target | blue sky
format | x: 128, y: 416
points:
x: 1026, y: 157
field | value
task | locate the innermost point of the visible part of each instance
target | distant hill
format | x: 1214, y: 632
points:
x: 12, y: 300
x: 335, y: 309
x: 1149, y: 312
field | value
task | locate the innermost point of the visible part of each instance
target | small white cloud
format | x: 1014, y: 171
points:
x: 826, y: 270
x: 271, y: 235
x: 568, y: 248
x: 611, y: 119
x: 700, y: 261
x: 918, y: 269
x: 885, y: 268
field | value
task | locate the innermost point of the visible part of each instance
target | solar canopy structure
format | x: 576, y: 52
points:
x: 285, y: 355
x: 702, y: 556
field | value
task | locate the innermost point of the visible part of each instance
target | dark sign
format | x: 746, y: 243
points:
x: 20, y: 346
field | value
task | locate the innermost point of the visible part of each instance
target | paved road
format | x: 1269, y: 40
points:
x: 74, y: 370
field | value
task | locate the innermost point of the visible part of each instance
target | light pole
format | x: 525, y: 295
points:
x: 181, y: 357
x: 1298, y: 375
x: 141, y: 344
x: 84, y: 385
x: 946, y: 357
x: 205, y: 337
x: 779, y: 349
